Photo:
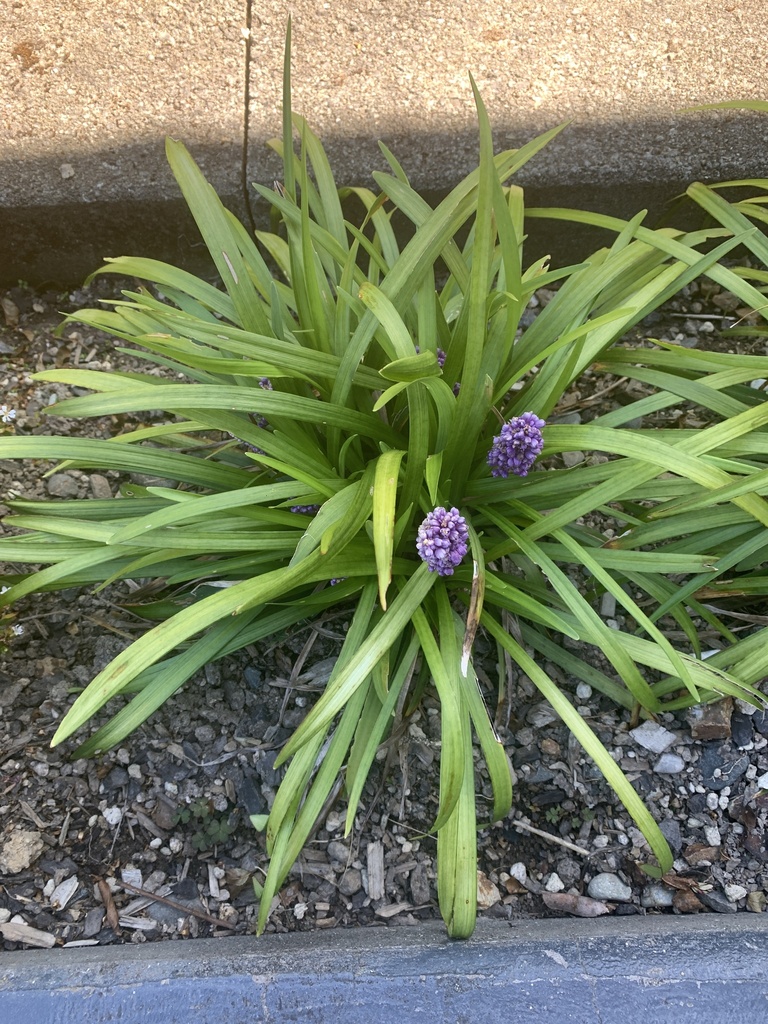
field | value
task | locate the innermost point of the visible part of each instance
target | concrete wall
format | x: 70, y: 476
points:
x: 90, y: 88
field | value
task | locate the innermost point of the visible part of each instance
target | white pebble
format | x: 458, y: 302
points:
x: 734, y: 892
x: 518, y: 871
x: 670, y: 764
x: 712, y: 799
x: 653, y: 737
x: 583, y: 691
x: 113, y: 815
x: 175, y: 844
x: 763, y: 781
x: 554, y: 883
x: 712, y: 835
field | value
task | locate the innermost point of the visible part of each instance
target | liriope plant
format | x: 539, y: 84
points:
x: 355, y: 423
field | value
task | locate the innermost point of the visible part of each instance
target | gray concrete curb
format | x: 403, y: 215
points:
x: 628, y: 970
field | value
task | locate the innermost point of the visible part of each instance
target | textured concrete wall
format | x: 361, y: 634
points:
x: 89, y: 89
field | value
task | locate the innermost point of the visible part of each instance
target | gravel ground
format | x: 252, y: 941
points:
x: 152, y: 840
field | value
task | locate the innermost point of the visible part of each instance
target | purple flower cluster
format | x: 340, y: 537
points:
x: 516, y: 448
x: 266, y: 385
x: 442, y: 540
x: 306, y: 509
x: 440, y: 356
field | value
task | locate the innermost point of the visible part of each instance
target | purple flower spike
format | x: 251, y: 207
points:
x: 516, y: 448
x: 306, y: 509
x: 266, y: 385
x: 442, y: 540
x: 440, y: 356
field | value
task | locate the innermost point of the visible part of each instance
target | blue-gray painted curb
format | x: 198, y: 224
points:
x: 619, y: 971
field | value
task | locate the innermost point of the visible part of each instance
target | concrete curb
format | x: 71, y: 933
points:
x: 627, y: 970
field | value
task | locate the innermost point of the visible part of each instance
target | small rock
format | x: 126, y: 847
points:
x: 711, y: 721
x: 20, y: 851
x: 721, y: 765
x: 62, y: 485
x: 234, y: 693
x: 419, y: 885
x: 165, y: 813
x: 550, y: 747
x: 554, y: 883
x: 519, y: 871
x: 741, y: 729
x: 712, y: 835
x: 334, y: 821
x: 717, y: 901
x: 66, y: 171
x: 760, y: 722
x: 606, y: 886
x: 252, y: 677
x: 338, y: 851
x: 687, y: 902
x: 113, y: 815
x: 569, y: 870
x: 653, y: 737
x: 583, y: 691
x: 571, y: 459
x: 488, y: 894
x: 670, y: 829
x: 698, y: 853
x: 656, y: 894
x: 100, y: 486
x: 607, y: 607
x: 670, y: 764
x: 350, y: 882
x: 116, y: 779
x: 93, y: 922
x: 540, y: 715
x: 734, y: 892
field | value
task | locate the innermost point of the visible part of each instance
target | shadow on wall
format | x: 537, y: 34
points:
x: 616, y: 168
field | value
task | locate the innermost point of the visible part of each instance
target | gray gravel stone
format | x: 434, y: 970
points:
x: 670, y: 764
x: 100, y: 486
x: 656, y: 894
x: 350, y: 882
x: 653, y: 737
x: 419, y: 884
x: 609, y: 887
x: 721, y: 765
x: 62, y: 485
x: 718, y: 902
